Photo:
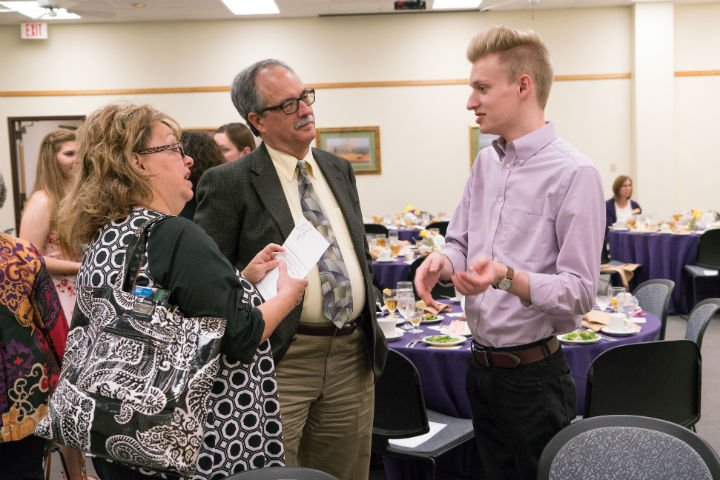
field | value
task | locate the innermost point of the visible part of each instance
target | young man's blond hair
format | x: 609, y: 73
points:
x: 521, y: 51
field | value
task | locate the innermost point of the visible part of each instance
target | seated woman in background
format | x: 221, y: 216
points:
x: 235, y: 141
x: 131, y: 169
x: 620, y: 208
x: 32, y: 342
x: 205, y: 154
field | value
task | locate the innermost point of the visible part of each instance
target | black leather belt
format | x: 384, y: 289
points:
x: 327, y: 330
x: 515, y: 356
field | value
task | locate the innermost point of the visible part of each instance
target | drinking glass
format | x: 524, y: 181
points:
x: 390, y: 301
x: 415, y: 319
x: 393, y: 236
x: 629, y: 305
x: 406, y: 305
x: 404, y: 286
x: 381, y: 240
x: 395, y: 248
x: 602, y: 298
x: 614, y: 291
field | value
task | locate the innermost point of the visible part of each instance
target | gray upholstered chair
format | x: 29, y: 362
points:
x: 627, y: 447
x: 284, y: 473
x: 654, y: 297
x: 699, y: 319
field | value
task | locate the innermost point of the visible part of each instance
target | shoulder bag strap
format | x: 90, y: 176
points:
x: 134, y: 255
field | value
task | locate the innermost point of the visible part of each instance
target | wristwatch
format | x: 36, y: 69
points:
x: 506, y: 282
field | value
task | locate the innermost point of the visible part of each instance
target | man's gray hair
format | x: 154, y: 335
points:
x: 244, y: 92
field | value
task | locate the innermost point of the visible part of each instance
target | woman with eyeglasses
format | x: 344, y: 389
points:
x: 131, y: 169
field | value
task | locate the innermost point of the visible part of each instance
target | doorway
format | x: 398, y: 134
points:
x: 26, y: 135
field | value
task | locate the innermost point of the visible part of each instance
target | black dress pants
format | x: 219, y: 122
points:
x: 516, y: 411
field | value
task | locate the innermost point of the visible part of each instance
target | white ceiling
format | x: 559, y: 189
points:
x: 100, y: 11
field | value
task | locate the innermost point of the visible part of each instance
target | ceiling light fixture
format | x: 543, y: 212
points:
x: 252, y: 7
x: 138, y: 5
x: 34, y: 10
x: 455, y: 4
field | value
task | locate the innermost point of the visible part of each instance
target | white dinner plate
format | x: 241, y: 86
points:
x: 398, y: 333
x: 577, y: 342
x: 620, y: 332
x: 453, y: 340
x: 384, y: 260
x: 437, y: 319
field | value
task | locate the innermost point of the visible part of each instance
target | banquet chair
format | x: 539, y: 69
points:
x: 654, y: 297
x: 655, y: 379
x: 441, y: 226
x: 284, y: 473
x: 438, y: 291
x: 400, y: 412
x: 699, y: 319
x: 375, y: 229
x: 627, y: 446
x: 707, y: 263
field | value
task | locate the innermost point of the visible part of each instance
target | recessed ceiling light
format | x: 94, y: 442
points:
x: 251, y: 7
x: 455, y: 4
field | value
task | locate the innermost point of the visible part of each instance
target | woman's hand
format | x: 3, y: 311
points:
x: 293, y: 288
x: 262, y: 263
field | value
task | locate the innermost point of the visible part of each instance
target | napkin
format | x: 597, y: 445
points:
x: 625, y: 270
x: 457, y: 327
x: 595, y: 320
x: 444, y: 307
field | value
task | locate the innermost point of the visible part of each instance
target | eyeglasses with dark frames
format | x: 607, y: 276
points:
x: 163, y: 148
x: 292, y: 105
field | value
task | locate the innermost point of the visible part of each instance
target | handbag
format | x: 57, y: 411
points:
x: 136, y: 376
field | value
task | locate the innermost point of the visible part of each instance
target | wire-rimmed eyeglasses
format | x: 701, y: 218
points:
x: 162, y: 148
x: 292, y: 105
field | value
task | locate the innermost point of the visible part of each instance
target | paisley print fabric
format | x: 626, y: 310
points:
x: 242, y: 428
x: 136, y: 380
x: 32, y: 338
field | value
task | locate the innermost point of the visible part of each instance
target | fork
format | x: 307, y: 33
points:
x: 412, y: 343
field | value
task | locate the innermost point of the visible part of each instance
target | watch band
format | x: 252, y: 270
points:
x: 506, y: 282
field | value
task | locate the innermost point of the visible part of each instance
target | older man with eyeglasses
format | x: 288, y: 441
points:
x: 329, y: 349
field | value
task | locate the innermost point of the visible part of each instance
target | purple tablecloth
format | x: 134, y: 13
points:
x: 409, y: 234
x: 387, y: 274
x: 443, y: 377
x: 661, y: 255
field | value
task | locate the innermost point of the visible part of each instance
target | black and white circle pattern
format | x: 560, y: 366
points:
x: 243, y: 429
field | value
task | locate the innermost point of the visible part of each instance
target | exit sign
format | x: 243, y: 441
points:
x: 33, y: 31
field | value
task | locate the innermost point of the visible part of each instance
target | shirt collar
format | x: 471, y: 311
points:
x: 286, y: 164
x: 526, y: 146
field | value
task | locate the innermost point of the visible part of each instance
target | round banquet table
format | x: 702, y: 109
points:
x: 443, y: 371
x: 407, y: 233
x: 662, y: 255
x: 387, y: 274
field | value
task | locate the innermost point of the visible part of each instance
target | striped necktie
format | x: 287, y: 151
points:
x: 334, y: 281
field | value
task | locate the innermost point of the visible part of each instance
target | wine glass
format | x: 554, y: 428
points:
x: 629, y: 305
x: 614, y: 292
x: 415, y: 319
x: 405, y: 304
x: 390, y: 300
x: 602, y: 298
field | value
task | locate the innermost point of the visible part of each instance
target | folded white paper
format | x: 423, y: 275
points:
x: 303, y: 248
x: 420, y: 439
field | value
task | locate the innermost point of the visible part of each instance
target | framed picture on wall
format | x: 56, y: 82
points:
x: 478, y: 141
x: 358, y: 145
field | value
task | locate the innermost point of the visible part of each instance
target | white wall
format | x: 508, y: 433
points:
x: 424, y: 130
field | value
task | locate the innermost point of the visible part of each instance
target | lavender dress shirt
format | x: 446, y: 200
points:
x: 535, y: 204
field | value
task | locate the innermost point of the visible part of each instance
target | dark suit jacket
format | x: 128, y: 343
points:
x: 243, y: 207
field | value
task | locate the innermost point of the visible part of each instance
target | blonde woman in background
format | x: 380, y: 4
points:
x: 56, y: 160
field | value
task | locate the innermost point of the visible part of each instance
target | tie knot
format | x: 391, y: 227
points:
x: 302, y: 168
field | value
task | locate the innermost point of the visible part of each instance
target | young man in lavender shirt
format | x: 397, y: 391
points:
x: 524, y: 247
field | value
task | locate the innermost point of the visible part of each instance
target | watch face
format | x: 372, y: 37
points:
x: 505, y: 284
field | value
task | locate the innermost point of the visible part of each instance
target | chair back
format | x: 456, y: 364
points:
x: 620, y: 446
x: 708, y: 253
x: 654, y: 297
x: 375, y: 229
x: 284, y: 473
x: 699, y: 318
x: 438, y: 290
x: 399, y: 403
x: 654, y: 379
x: 441, y: 226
